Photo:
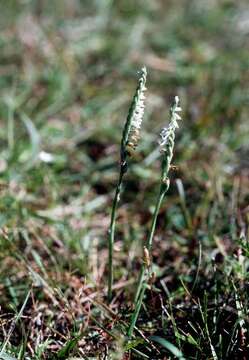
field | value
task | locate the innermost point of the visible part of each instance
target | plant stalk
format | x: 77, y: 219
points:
x: 112, y: 230
x: 150, y: 237
x: 167, y: 146
x: 129, y: 139
x: 141, y: 287
x: 137, y: 310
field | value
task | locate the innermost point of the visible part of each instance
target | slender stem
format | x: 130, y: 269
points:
x: 112, y: 231
x: 136, y: 311
x: 150, y: 237
x: 161, y: 194
x: 142, y: 281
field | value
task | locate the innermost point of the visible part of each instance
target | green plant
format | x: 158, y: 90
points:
x: 166, y: 143
x: 129, y: 143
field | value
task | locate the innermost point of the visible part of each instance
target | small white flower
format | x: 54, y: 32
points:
x: 173, y: 125
x: 136, y: 114
x: 137, y: 118
x: 46, y: 157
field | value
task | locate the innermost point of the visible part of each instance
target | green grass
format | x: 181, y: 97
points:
x: 68, y: 70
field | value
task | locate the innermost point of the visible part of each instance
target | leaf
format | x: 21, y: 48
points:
x: 67, y: 348
x: 167, y: 345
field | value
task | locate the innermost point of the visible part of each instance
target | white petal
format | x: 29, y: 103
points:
x: 177, y: 117
x: 46, y: 157
x: 178, y: 108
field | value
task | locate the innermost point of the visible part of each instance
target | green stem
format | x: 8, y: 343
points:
x: 112, y: 231
x: 142, y: 281
x: 161, y: 194
x: 136, y: 311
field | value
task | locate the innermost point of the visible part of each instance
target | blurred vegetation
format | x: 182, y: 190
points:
x: 67, y: 73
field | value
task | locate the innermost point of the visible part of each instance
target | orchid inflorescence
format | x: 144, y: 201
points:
x: 167, y: 139
x: 166, y: 143
x: 168, y: 131
x: 134, y: 120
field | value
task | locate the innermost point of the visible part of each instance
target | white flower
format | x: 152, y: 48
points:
x: 46, y: 157
x: 173, y: 125
x: 138, y: 113
x: 135, y: 117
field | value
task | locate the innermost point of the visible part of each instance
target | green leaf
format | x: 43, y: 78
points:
x: 167, y: 345
x: 67, y: 348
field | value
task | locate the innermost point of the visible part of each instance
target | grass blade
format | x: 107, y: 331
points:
x: 169, y: 346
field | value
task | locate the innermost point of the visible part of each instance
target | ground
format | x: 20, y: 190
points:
x: 68, y: 71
